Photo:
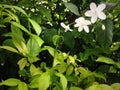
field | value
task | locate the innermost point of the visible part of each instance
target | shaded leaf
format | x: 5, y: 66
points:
x: 73, y: 8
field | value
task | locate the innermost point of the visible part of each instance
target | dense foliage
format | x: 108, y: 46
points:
x: 45, y: 46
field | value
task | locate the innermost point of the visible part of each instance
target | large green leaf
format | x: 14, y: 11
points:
x: 44, y: 81
x: 63, y: 80
x: 22, y: 86
x: 105, y: 60
x: 10, y: 82
x: 73, y: 8
x: 33, y: 47
x: 116, y: 86
x: 36, y: 26
x: 104, y: 32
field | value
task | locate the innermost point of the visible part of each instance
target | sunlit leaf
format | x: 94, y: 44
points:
x: 36, y: 26
x: 22, y: 63
x: 33, y: 47
x: 21, y: 46
x: 75, y: 88
x: 9, y: 48
x: 44, y: 81
x: 116, y: 86
x: 10, y: 82
x: 63, y: 80
x: 22, y: 86
x: 105, y: 60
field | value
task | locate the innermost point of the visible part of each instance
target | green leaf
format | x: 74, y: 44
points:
x: 116, y: 86
x: 50, y: 50
x: 56, y: 39
x: 69, y: 69
x: 104, y: 35
x: 44, y: 81
x: 44, y: 11
x: 21, y: 27
x: 10, y: 82
x: 22, y: 62
x: 21, y: 46
x: 105, y: 87
x: 73, y: 8
x: 75, y: 88
x: 36, y: 26
x: 17, y: 8
x: 38, y: 39
x: 33, y: 47
x: 9, y: 48
x: 22, y: 86
x: 63, y: 80
x: 34, y: 70
x: 105, y: 60
x: 69, y: 39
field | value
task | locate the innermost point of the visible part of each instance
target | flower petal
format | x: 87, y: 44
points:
x: 80, y: 29
x: 63, y: 25
x: 89, y: 13
x: 101, y: 7
x: 86, y: 29
x: 101, y: 15
x: 93, y: 6
x: 94, y: 18
x: 87, y: 22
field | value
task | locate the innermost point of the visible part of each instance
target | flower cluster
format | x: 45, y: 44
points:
x: 94, y: 13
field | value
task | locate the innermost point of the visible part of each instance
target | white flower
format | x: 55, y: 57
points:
x: 66, y: 27
x: 96, y: 12
x: 81, y: 23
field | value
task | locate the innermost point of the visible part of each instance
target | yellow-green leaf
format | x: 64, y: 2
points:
x: 22, y: 62
x: 9, y: 48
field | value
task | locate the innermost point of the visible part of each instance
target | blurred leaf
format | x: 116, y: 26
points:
x: 105, y: 60
x: 116, y: 86
x: 69, y: 39
x: 63, y: 80
x: 36, y: 26
x: 45, y: 12
x: 10, y: 82
x: 104, y: 35
x: 17, y: 8
x: 22, y: 86
x: 22, y: 62
x: 73, y: 8
x: 69, y: 70
x: 75, y: 88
